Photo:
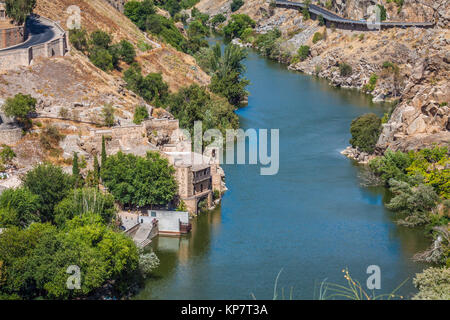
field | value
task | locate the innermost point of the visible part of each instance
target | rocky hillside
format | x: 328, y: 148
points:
x: 71, y: 87
x: 410, y: 65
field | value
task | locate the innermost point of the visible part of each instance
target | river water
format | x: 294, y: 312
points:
x: 311, y: 220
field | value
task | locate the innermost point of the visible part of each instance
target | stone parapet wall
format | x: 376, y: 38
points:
x: 58, y: 46
x: 12, y: 36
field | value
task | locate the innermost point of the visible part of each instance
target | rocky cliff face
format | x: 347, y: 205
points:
x: 419, y: 83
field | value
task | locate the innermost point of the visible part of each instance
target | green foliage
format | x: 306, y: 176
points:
x: 6, y: 154
x: 208, y: 58
x: 217, y: 19
x: 345, y: 69
x: 383, y: 14
x: 268, y: 45
x: 370, y: 86
x: 227, y: 80
x: 85, y: 201
x: 139, y: 181
x: 104, y: 157
x: 236, y: 5
x: 144, y: 46
x: 195, y: 103
x: 433, y: 284
x: 126, y: 51
x: 50, y: 184
x: 152, y: 87
x: 317, y: 37
x: 140, y: 114
x: 18, y: 207
x: 365, y: 131
x: 102, y: 58
x: 303, y: 52
x: 108, y: 115
x: 392, y: 165
x: 79, y: 39
x: 414, y: 202
x: 36, y: 259
x: 19, y: 106
x: 18, y: 10
x: 237, y: 25
x: 96, y: 172
x: 75, y: 167
x: 321, y: 20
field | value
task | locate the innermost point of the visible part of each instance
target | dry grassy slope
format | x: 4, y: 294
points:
x: 98, y: 14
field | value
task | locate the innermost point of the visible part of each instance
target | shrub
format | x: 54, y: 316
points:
x: 50, y: 138
x: 140, y: 114
x: 218, y: 19
x: 365, y: 131
x: 18, y: 207
x: 433, y: 284
x: 78, y: 38
x: 108, y: 115
x: 383, y: 14
x: 345, y: 69
x: 303, y: 52
x: 19, y: 106
x: 321, y: 20
x: 237, y: 25
x: 317, y: 37
x: 102, y: 59
x: 236, y: 5
x: 370, y: 86
x: 100, y: 39
x: 126, y: 51
x: 6, y: 154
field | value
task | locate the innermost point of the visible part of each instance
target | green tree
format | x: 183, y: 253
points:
x: 100, y: 39
x: 303, y: 52
x: 140, y: 114
x: 127, y: 52
x: 237, y: 25
x: 365, y: 131
x: 217, y: 19
x: 50, y: 184
x: 104, y: 156
x: 102, y: 58
x: 6, y: 154
x: 78, y: 38
x: 236, y: 5
x: 18, y: 10
x: 18, y: 207
x: 75, y: 168
x: 108, y: 115
x: 20, y: 106
x: 96, y: 172
x: 139, y: 181
x: 84, y: 201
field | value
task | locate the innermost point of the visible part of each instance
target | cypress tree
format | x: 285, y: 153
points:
x: 103, y: 151
x: 96, y: 172
x: 75, y: 167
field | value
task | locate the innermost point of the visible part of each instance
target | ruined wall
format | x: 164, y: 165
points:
x: 118, y: 4
x: 12, y: 36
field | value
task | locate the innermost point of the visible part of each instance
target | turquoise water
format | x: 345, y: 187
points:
x: 310, y: 220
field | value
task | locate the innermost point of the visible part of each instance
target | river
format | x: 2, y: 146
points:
x: 311, y: 220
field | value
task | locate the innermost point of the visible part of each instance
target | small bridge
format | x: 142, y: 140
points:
x: 332, y: 19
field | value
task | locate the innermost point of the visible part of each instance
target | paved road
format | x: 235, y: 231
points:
x: 39, y: 31
x: 330, y: 16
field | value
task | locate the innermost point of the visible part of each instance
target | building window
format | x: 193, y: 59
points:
x: 153, y: 214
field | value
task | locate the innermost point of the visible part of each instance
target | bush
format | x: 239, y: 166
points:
x: 6, y: 154
x: 218, y: 19
x: 317, y: 37
x: 433, y: 284
x: 50, y: 138
x: 237, y: 25
x: 236, y: 5
x: 18, y: 207
x: 345, y: 69
x: 268, y: 45
x: 321, y: 20
x: 102, y: 59
x: 126, y: 51
x: 303, y: 52
x: 383, y: 14
x: 152, y: 87
x: 370, y: 86
x: 365, y: 131
x: 108, y: 115
x: 19, y: 106
x: 140, y: 114
x: 78, y: 38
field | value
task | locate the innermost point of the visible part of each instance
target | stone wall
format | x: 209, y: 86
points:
x: 58, y: 46
x: 12, y: 36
